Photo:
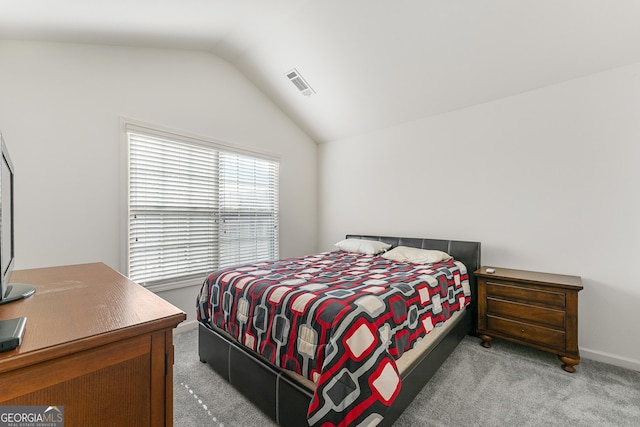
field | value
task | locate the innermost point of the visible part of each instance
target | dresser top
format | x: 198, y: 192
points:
x: 82, y: 306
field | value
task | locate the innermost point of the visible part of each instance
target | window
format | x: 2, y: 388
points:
x: 196, y: 206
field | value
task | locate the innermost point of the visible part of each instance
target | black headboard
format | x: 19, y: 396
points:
x: 466, y: 252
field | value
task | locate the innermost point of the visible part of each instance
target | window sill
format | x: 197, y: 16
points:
x: 170, y: 286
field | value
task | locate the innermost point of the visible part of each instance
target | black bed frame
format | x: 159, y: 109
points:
x: 284, y: 400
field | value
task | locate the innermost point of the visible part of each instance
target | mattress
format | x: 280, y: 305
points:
x: 340, y: 320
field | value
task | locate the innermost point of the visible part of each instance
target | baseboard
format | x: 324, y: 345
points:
x: 186, y: 326
x: 611, y: 359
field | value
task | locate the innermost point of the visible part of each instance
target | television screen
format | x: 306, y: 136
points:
x: 6, y: 218
x: 14, y: 291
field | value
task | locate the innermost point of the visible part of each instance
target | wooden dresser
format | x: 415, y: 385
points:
x: 96, y: 344
x: 531, y: 308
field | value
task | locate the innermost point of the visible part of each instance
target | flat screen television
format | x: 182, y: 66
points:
x: 8, y: 291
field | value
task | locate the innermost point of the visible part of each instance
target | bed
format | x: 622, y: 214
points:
x: 293, y: 391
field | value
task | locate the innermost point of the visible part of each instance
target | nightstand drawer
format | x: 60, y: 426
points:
x: 526, y: 313
x: 512, y: 291
x: 534, y: 334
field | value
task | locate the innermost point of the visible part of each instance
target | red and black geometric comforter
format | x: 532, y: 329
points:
x: 340, y: 319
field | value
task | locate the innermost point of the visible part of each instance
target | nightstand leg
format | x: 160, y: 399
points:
x: 486, y: 340
x: 568, y: 363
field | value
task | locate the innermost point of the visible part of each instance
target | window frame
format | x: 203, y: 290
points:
x: 129, y: 125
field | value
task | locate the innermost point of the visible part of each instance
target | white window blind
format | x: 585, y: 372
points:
x: 194, y: 208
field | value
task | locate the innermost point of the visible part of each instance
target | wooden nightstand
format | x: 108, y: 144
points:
x: 531, y: 308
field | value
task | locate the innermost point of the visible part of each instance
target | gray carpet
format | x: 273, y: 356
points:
x: 503, y: 386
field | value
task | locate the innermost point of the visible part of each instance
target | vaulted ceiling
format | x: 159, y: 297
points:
x: 372, y: 63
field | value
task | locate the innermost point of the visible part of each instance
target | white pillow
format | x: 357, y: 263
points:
x: 415, y: 255
x: 362, y: 246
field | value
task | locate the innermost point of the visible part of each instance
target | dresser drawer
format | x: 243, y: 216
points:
x: 527, y: 332
x: 511, y: 291
x: 525, y: 312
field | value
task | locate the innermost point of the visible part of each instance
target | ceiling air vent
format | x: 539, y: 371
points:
x: 300, y: 82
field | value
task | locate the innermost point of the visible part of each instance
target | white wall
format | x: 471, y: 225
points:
x: 60, y: 110
x: 546, y: 180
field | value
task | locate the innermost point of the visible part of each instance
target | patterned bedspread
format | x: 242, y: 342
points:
x: 337, y: 318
